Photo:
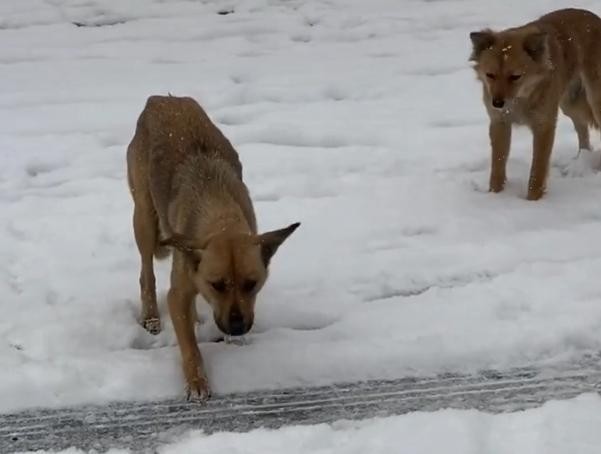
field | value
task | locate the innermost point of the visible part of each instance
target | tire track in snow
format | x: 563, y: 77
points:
x: 143, y: 426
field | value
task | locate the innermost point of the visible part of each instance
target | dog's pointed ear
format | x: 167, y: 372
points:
x: 481, y: 40
x: 271, y: 241
x: 191, y: 248
x: 536, y: 45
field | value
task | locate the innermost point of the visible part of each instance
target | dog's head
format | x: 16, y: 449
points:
x: 510, y: 63
x: 228, y: 270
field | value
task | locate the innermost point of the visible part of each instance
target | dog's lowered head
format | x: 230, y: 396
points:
x: 229, y: 269
x: 509, y: 63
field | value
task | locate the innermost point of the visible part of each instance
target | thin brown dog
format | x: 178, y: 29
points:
x: 186, y: 181
x: 527, y: 73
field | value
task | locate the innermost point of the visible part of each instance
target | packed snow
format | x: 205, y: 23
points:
x: 362, y: 120
x: 556, y: 428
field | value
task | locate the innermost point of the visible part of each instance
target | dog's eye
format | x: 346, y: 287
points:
x: 219, y: 286
x: 249, y: 285
x: 491, y: 76
x: 514, y: 77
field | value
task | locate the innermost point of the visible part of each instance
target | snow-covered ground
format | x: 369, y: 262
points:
x: 361, y: 119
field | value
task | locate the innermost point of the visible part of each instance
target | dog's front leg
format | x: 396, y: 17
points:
x: 500, y: 141
x: 180, y: 300
x: 543, y: 138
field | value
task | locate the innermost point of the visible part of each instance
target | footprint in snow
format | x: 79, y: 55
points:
x: 585, y: 163
x: 301, y: 38
x: 36, y: 168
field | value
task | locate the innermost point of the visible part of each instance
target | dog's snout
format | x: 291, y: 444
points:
x: 498, y: 102
x: 236, y: 323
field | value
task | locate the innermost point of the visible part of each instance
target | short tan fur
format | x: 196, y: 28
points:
x: 186, y: 182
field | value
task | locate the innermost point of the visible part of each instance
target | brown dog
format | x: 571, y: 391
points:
x: 186, y: 181
x: 527, y: 73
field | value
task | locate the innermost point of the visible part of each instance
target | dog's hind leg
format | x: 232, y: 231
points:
x: 592, y: 85
x: 575, y: 105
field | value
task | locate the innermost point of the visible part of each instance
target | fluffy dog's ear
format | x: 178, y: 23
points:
x: 271, y: 241
x: 535, y: 45
x: 480, y: 41
x: 191, y: 248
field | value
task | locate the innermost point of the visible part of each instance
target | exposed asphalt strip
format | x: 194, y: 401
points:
x: 145, y: 426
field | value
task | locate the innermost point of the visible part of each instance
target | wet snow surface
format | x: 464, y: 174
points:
x: 556, y: 428
x: 362, y: 120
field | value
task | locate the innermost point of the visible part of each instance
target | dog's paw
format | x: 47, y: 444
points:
x: 152, y: 325
x: 199, y: 391
x: 535, y: 194
x: 496, y: 184
x: 197, y: 383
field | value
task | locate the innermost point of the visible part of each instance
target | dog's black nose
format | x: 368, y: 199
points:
x: 498, y: 103
x: 236, y: 323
